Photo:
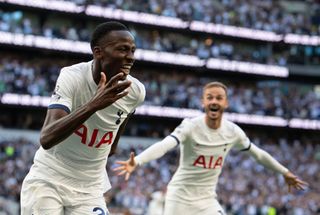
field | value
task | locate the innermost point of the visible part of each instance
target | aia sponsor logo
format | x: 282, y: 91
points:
x: 209, y: 162
x: 83, y: 133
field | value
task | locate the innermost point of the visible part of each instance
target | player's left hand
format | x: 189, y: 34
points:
x: 126, y: 167
x: 293, y: 181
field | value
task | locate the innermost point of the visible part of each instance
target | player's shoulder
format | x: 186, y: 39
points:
x: 192, y: 123
x: 76, y: 69
x: 231, y: 127
x: 136, y: 83
x: 137, y: 89
x: 75, y: 74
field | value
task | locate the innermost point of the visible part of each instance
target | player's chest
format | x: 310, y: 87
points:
x: 202, y: 143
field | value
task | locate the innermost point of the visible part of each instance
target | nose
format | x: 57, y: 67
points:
x: 130, y: 57
x: 213, y: 101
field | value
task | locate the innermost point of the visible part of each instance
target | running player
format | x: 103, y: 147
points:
x: 204, y: 143
x: 89, y: 109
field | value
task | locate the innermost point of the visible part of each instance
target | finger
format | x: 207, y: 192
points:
x: 127, y: 176
x: 121, y: 162
x: 119, y: 87
x: 103, y: 79
x: 120, y: 95
x: 289, y: 186
x: 122, y: 172
x: 299, y: 187
x: 303, y: 185
x: 302, y: 182
x: 119, y: 168
x: 114, y: 80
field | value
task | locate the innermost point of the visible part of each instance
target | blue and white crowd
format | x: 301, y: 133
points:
x: 175, y: 89
x: 245, y: 187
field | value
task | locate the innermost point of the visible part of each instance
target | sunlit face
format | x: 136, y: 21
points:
x: 116, y: 53
x: 214, y: 102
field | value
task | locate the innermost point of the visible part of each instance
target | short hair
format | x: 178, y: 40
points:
x: 216, y: 84
x: 103, y: 29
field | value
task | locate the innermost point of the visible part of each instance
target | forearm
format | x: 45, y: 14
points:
x: 58, y: 130
x: 156, y: 151
x: 266, y: 160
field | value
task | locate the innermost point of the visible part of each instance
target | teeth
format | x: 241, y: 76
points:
x: 214, y: 109
x: 126, y: 67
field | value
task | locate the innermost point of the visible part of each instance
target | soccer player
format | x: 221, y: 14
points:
x: 89, y: 109
x: 204, y: 143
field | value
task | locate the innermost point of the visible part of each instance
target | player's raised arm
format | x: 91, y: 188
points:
x: 268, y: 161
x: 155, y: 151
x: 59, y: 124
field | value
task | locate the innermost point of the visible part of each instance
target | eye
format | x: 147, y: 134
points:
x: 122, y: 48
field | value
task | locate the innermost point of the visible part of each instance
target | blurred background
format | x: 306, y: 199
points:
x: 267, y: 52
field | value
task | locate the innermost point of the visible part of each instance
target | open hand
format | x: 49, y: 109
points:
x: 293, y: 181
x: 109, y: 92
x: 126, y: 167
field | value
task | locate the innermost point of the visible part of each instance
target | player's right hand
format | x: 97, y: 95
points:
x: 126, y: 167
x: 109, y: 92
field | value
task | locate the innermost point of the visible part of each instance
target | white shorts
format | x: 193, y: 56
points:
x: 175, y: 208
x: 39, y: 197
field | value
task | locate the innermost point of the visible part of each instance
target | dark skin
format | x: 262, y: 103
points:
x: 113, y: 58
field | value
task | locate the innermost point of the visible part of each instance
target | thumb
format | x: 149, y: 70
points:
x: 103, y: 79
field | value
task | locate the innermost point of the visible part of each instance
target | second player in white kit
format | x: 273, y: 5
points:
x: 204, y: 143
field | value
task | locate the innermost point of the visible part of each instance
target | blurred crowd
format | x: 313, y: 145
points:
x: 201, y: 45
x: 245, y: 187
x: 269, y: 15
x: 175, y: 89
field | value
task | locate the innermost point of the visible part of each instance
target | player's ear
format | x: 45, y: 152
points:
x: 97, y: 53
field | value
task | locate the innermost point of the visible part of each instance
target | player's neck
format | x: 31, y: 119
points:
x: 95, y: 72
x: 213, y: 123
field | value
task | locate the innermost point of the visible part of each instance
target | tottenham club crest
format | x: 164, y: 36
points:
x: 119, y: 113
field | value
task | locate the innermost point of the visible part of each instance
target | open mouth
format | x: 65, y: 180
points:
x: 126, y: 69
x: 214, y: 109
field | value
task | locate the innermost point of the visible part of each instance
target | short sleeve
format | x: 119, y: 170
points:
x: 182, y: 132
x: 137, y: 93
x: 62, y: 96
x: 243, y: 143
x: 141, y: 95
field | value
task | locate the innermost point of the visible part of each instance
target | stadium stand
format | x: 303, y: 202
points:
x: 35, y: 43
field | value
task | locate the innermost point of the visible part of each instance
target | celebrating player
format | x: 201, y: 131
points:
x: 89, y: 109
x: 204, y: 143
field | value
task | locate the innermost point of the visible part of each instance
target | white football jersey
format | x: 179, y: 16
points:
x: 82, y: 156
x: 202, y: 154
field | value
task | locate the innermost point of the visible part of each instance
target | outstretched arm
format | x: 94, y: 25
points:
x: 268, y: 161
x: 155, y: 151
